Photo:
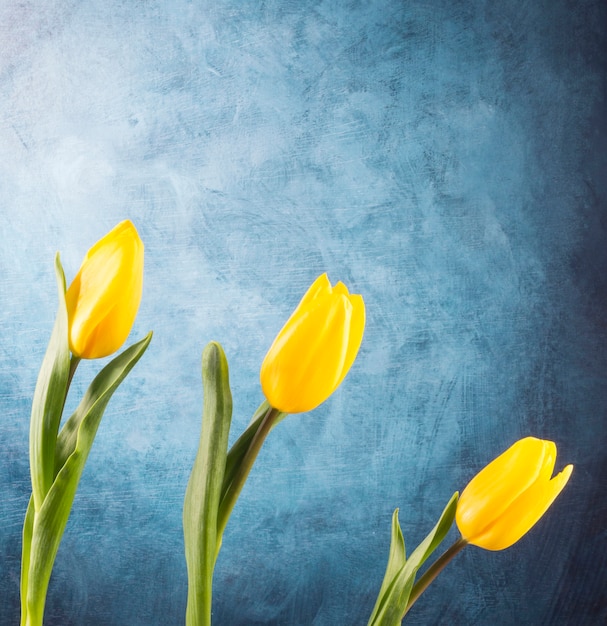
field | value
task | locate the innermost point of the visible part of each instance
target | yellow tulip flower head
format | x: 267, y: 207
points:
x: 313, y: 352
x: 505, y: 499
x: 103, y: 299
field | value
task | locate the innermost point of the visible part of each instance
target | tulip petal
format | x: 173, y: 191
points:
x: 88, y: 299
x: 357, y: 329
x: 524, y: 512
x: 320, y: 288
x: 315, y: 348
x: 305, y: 362
x: 103, y: 299
x: 341, y: 289
x: 494, y: 488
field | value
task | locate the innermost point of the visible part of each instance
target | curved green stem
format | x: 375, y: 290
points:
x: 434, y: 570
x: 240, y: 475
x: 74, y: 360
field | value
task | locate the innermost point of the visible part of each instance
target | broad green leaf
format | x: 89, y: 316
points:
x: 396, y: 561
x: 203, y: 492
x: 74, y: 445
x: 48, y: 528
x: 49, y: 398
x: 393, y: 604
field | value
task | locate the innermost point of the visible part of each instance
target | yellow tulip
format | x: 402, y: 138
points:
x: 103, y: 299
x: 505, y: 499
x: 313, y: 352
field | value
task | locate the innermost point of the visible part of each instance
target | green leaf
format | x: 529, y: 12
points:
x: 28, y: 529
x: 203, y: 492
x: 97, y: 397
x: 73, y: 446
x: 434, y: 537
x: 396, y: 560
x: 49, y: 398
x: 393, y: 604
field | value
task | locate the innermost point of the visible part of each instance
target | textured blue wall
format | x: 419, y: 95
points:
x: 444, y: 158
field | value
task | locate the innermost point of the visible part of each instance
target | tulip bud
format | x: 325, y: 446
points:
x: 313, y: 352
x: 103, y: 299
x: 505, y: 499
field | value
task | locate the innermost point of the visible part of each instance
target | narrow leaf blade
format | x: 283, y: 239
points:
x: 203, y: 492
x: 434, y: 537
x: 26, y: 546
x: 50, y: 521
x: 49, y: 397
x: 394, y: 603
x: 97, y: 397
x: 396, y: 560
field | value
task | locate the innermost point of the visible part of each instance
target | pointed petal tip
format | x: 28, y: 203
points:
x: 563, y: 476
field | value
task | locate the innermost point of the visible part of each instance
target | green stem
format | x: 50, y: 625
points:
x: 241, y: 445
x: 434, y: 570
x: 240, y: 476
x: 74, y: 360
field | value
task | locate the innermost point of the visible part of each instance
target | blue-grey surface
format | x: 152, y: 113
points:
x: 444, y: 158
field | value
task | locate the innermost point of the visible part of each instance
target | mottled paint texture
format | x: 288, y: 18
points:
x: 446, y: 159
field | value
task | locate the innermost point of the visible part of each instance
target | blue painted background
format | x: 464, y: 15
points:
x: 446, y: 159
